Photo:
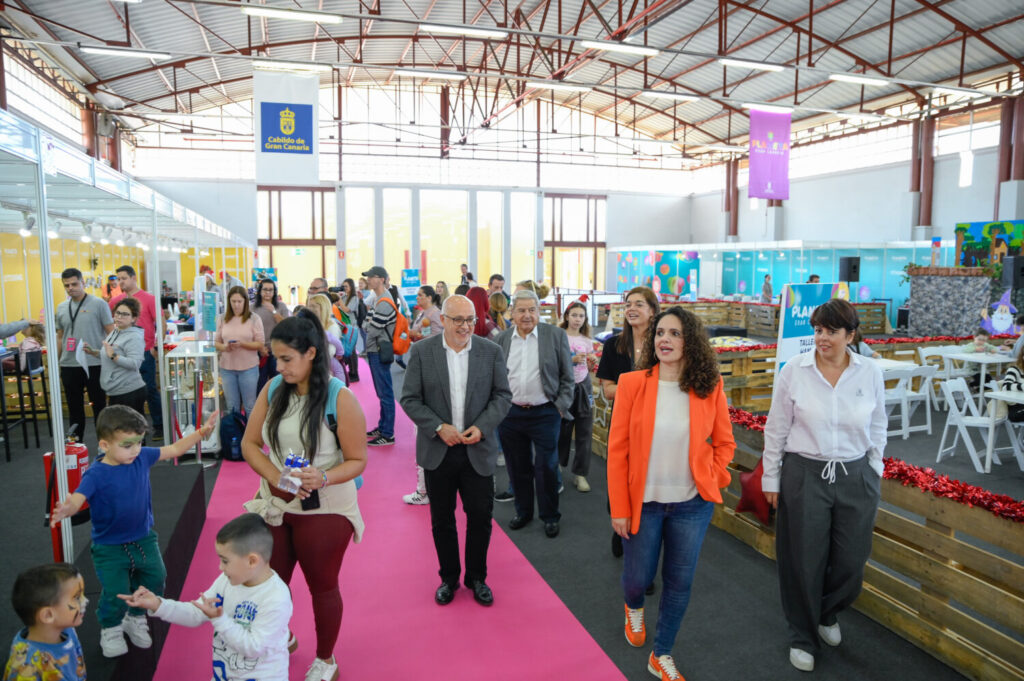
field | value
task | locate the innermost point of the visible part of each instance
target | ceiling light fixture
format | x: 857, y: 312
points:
x: 467, y: 31
x: 724, y: 147
x: 426, y: 74
x: 557, y: 85
x: 277, y: 65
x: 756, y: 65
x: 26, y: 229
x: 118, y: 52
x: 860, y: 116
x: 675, y: 96
x: 767, y: 108
x: 858, y: 79
x: 611, y: 46
x: 954, y: 92
x: 291, y: 14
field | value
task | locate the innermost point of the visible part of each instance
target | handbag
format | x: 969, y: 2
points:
x: 385, y: 351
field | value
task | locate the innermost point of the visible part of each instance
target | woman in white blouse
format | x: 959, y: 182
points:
x: 826, y: 433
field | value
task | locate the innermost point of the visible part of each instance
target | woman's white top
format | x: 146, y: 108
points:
x: 339, y: 498
x: 669, y: 479
x: 811, y: 418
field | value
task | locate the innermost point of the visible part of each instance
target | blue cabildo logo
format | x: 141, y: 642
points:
x: 286, y: 128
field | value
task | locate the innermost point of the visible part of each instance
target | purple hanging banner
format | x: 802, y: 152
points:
x: 769, y: 155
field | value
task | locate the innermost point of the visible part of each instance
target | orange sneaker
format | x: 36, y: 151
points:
x: 664, y: 667
x: 636, y: 632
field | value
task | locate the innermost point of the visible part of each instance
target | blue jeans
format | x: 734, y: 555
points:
x: 529, y: 438
x: 148, y: 371
x: 681, y: 528
x: 381, y: 374
x: 240, y: 388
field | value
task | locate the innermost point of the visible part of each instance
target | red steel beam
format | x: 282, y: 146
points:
x: 960, y: 26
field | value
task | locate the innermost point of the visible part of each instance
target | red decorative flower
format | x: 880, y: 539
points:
x: 927, y: 480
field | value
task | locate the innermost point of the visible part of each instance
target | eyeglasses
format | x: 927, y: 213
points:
x: 131, y: 442
x: 462, y: 321
x: 119, y: 313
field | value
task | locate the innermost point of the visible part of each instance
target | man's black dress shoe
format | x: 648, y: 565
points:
x: 481, y: 592
x: 551, y: 529
x: 518, y: 522
x: 445, y: 593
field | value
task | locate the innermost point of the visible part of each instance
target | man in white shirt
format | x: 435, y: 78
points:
x: 456, y: 392
x: 540, y: 374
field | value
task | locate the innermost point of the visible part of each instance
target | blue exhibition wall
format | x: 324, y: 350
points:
x: 881, y: 269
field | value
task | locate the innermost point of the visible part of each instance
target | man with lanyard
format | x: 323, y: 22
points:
x: 147, y: 320
x: 82, y: 320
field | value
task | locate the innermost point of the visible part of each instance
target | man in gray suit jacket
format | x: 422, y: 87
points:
x: 541, y: 378
x: 456, y: 392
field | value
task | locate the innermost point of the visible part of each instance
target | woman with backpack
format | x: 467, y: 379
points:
x: 314, y: 526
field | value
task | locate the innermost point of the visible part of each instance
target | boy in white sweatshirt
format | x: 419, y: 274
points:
x: 248, y: 605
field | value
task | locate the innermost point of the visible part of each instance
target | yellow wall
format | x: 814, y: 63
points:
x: 234, y: 260
x: 22, y: 292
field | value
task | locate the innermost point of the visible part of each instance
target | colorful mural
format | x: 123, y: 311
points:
x: 981, y: 243
x: 670, y: 272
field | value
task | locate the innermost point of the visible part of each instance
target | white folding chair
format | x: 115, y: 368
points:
x: 897, y: 397
x: 921, y: 395
x: 935, y: 356
x: 963, y: 414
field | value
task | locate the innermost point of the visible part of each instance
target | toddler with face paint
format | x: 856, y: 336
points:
x: 50, y: 601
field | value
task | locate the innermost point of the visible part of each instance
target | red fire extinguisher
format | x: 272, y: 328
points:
x: 76, y: 461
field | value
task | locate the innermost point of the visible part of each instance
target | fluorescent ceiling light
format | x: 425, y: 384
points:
x: 129, y: 2
x: 677, y: 96
x: 723, y: 147
x: 117, y: 52
x: 292, y: 14
x: 468, y: 31
x: 442, y: 75
x: 768, y: 108
x: 743, y: 63
x: 857, y: 79
x: 277, y: 65
x: 557, y: 85
x: 860, y: 116
x: 954, y: 92
x: 85, y: 238
x: 610, y: 46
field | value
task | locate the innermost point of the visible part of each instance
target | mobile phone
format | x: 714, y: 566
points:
x: 312, y: 502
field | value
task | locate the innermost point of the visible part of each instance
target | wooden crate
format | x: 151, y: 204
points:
x: 763, y: 320
x: 549, y: 313
x: 872, y: 317
x: 928, y: 580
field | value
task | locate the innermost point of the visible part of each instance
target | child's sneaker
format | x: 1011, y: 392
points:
x: 137, y: 629
x: 322, y: 670
x: 416, y: 499
x: 112, y: 642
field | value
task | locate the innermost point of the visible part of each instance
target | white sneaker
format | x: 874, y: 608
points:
x: 501, y: 459
x: 321, y: 670
x: 416, y: 499
x: 830, y: 635
x: 801, y: 659
x: 112, y: 642
x: 581, y: 484
x: 137, y: 629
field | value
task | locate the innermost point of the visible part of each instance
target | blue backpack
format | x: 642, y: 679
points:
x: 331, y: 413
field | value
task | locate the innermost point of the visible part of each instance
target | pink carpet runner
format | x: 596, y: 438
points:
x: 392, y: 629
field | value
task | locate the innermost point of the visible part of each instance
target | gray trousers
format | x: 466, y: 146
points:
x: 822, y: 541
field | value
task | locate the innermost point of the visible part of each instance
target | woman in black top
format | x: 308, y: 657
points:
x: 622, y: 351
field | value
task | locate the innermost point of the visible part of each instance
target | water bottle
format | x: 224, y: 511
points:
x: 236, y: 450
x: 288, y: 482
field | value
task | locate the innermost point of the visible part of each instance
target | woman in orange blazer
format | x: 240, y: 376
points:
x: 670, y: 442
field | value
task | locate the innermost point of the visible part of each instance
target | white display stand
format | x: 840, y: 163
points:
x: 192, y: 369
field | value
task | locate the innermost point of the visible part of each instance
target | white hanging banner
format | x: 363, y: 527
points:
x: 285, y: 128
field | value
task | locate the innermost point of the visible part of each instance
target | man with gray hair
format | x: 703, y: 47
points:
x: 456, y: 392
x: 540, y: 374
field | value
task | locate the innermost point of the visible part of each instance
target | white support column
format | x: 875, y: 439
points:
x: 506, y: 236
x: 341, y: 266
x: 415, y: 256
x: 1011, y: 197
x: 471, y: 256
x: 156, y: 290
x: 538, y: 241
x: 52, y: 358
x: 378, y: 227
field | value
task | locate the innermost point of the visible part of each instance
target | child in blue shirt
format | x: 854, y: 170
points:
x: 50, y: 601
x: 124, y: 546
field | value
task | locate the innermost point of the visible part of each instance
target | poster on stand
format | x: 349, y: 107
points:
x: 796, y: 335
x: 410, y: 286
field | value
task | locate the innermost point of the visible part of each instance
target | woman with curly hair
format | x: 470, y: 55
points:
x: 669, y: 446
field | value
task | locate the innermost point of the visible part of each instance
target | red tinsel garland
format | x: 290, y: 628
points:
x: 925, y: 479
